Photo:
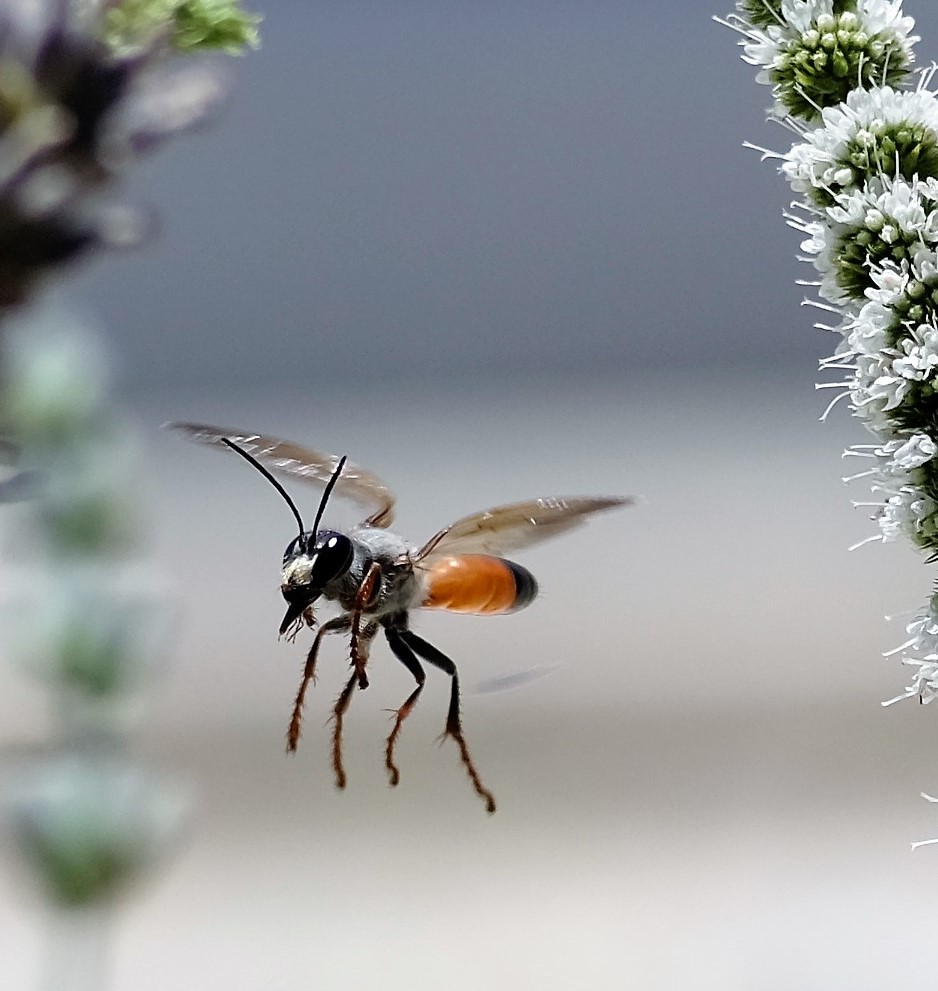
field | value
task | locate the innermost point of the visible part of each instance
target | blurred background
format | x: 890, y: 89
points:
x: 492, y: 251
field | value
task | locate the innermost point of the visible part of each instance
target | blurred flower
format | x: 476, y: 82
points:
x: 91, y: 825
x: 762, y: 13
x: 85, y: 89
x: 72, y: 115
x: 99, y: 634
x: 187, y: 25
x: 83, y: 613
x: 80, y: 458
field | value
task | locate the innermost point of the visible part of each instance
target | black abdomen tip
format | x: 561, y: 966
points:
x: 525, y: 585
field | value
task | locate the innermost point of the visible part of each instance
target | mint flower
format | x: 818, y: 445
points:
x: 762, y: 13
x: 867, y: 229
x: 814, y: 52
x: 894, y: 342
x: 920, y: 652
x: 865, y: 164
x: 882, y: 131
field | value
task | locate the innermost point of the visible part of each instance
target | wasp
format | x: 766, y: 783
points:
x: 377, y: 578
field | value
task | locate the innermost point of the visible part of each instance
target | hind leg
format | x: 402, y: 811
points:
x: 438, y: 659
x: 409, y: 659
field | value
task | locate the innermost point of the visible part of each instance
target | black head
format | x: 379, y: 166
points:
x: 307, y: 570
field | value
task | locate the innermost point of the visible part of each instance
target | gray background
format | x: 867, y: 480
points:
x: 439, y: 189
x: 492, y: 251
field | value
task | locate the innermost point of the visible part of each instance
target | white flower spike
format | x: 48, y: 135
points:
x: 865, y: 166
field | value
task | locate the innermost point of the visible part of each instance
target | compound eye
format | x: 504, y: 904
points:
x: 332, y: 558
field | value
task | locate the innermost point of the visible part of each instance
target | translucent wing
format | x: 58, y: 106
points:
x: 505, y: 529
x: 293, y: 461
x: 513, y: 679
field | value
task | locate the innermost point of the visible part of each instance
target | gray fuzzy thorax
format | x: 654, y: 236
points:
x: 402, y: 587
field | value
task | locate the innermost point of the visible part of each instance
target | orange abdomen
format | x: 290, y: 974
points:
x: 479, y: 584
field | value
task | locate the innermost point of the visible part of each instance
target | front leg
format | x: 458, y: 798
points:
x: 338, y: 625
x: 363, y: 598
x: 342, y: 703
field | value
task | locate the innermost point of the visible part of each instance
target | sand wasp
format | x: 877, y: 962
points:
x: 377, y: 578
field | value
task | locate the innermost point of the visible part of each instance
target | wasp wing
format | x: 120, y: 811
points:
x: 505, y: 529
x: 285, y: 458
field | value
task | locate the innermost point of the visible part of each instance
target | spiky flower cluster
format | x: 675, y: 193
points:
x: 866, y: 168
x: 815, y: 52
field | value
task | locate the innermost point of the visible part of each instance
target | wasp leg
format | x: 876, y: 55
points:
x: 409, y: 659
x: 366, y: 635
x: 338, y: 625
x: 453, y: 723
x: 362, y: 599
x: 338, y: 711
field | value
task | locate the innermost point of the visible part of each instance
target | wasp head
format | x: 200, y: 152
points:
x: 310, y: 562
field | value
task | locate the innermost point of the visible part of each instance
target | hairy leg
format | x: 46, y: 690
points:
x: 409, y: 659
x: 365, y: 636
x: 438, y: 659
x: 362, y: 599
x: 338, y: 625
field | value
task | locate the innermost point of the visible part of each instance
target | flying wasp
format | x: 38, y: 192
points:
x: 377, y: 578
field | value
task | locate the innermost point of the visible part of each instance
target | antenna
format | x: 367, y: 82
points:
x: 273, y: 481
x: 325, y: 496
